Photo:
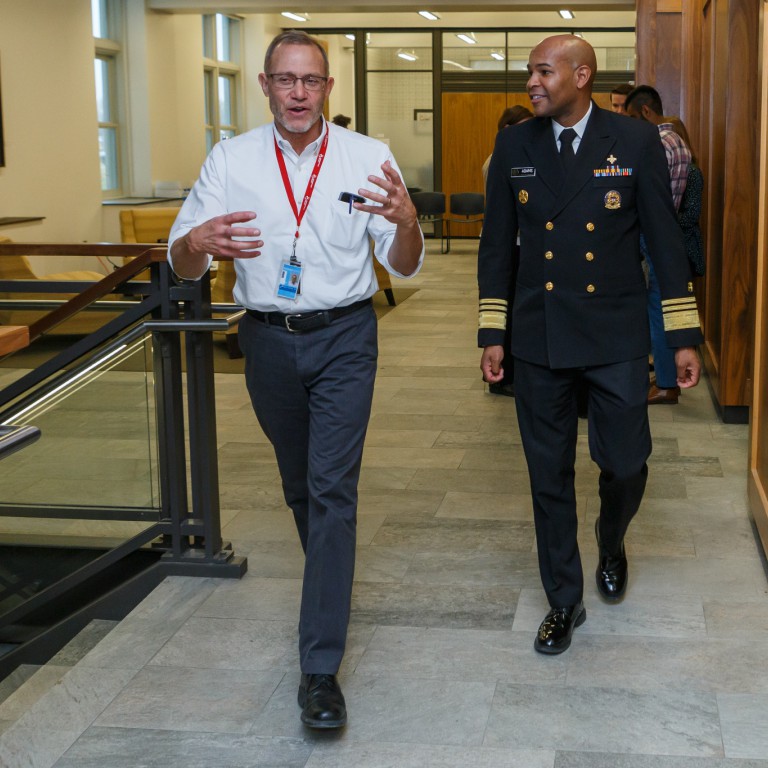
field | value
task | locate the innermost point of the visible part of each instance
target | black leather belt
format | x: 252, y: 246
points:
x: 301, y: 322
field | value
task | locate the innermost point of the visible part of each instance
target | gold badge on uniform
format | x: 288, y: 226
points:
x: 522, y: 196
x: 612, y: 200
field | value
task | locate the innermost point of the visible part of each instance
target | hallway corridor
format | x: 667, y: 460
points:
x: 440, y: 670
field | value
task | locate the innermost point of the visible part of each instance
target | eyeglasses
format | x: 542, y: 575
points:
x: 284, y: 81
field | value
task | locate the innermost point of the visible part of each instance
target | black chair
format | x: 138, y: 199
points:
x: 430, y: 207
x: 466, y: 208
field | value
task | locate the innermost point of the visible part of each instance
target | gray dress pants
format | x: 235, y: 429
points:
x: 312, y: 394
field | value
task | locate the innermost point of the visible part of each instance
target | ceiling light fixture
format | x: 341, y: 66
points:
x: 295, y: 16
x: 469, y: 39
x: 428, y: 15
x: 407, y: 55
x: 497, y: 55
x: 350, y: 37
x: 566, y: 14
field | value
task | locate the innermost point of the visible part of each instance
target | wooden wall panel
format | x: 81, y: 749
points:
x: 469, y: 126
x: 740, y: 205
x: 668, y: 60
x: 714, y: 78
x: 758, y: 458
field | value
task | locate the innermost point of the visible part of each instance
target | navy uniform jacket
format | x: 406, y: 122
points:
x: 580, y: 292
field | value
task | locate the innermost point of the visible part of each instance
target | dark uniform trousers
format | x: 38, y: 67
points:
x: 312, y: 396
x: 619, y: 443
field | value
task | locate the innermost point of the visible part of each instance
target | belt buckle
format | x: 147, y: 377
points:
x: 288, y: 319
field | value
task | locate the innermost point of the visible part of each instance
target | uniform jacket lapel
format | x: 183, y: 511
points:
x: 595, y: 147
x: 542, y: 155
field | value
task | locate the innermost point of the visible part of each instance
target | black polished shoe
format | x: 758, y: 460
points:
x: 612, y: 571
x: 502, y: 389
x: 555, y: 632
x: 322, y: 702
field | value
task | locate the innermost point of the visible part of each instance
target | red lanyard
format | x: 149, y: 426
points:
x: 299, y: 214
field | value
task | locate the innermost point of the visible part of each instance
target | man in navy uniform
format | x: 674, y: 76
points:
x: 579, y: 184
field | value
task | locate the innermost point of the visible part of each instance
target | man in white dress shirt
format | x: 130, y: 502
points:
x: 289, y: 202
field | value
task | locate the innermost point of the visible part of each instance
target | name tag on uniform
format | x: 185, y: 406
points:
x: 522, y: 172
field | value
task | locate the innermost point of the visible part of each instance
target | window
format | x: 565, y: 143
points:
x: 221, y: 76
x: 106, y: 64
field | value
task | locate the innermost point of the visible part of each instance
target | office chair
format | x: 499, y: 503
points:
x: 430, y: 208
x: 466, y: 208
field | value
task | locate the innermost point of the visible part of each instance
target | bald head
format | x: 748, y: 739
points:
x: 562, y: 69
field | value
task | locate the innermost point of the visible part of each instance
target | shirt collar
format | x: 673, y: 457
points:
x: 311, y: 149
x: 580, y: 127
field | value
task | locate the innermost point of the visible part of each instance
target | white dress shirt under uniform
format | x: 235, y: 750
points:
x: 242, y: 174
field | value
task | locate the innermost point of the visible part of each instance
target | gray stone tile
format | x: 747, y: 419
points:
x: 650, y: 664
x: 247, y: 645
x: 150, y: 748
x: 512, y: 481
x: 392, y: 710
x: 638, y: 615
x: 709, y: 579
x: 55, y: 721
x: 254, y: 598
x: 390, y: 501
x: 12, y: 682
x: 382, y: 564
x: 728, y: 619
x: 743, y: 718
x: 35, y: 688
x: 474, y: 569
x: 149, y: 626
x: 456, y: 534
x: 489, y: 506
x: 382, y: 755
x: 400, y: 456
x: 191, y: 699
x: 87, y: 639
x: 458, y: 654
x: 274, y: 559
x: 426, y: 605
x: 612, y: 760
x: 668, y: 723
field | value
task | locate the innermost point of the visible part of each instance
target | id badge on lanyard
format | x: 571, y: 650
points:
x: 291, y: 272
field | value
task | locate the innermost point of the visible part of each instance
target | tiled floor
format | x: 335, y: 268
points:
x: 440, y: 670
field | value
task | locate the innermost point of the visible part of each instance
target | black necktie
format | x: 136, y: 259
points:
x: 567, y: 155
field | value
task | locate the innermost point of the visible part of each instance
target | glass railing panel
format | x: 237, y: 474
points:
x: 98, y: 449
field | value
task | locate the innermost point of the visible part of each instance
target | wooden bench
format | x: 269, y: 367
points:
x: 13, y: 338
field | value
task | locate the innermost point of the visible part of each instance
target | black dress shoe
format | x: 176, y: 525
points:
x: 555, y: 632
x: 501, y: 388
x: 322, y: 702
x: 612, y: 571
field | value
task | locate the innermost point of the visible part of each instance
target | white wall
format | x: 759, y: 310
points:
x: 49, y: 122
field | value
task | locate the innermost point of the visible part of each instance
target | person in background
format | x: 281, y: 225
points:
x: 341, y: 120
x: 509, y: 117
x: 579, y: 184
x: 619, y: 96
x: 644, y: 103
x: 296, y: 204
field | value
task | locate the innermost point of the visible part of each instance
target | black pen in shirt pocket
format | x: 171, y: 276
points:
x: 351, y: 197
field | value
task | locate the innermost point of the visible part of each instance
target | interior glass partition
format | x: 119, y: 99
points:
x: 400, y: 108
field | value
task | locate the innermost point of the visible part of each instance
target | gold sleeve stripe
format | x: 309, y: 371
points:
x: 493, y: 314
x: 497, y: 320
x: 686, y: 301
x: 681, y: 320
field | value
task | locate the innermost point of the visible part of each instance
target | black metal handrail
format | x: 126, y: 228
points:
x: 13, y: 438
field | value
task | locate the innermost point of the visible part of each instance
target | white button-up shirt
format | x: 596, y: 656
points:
x: 242, y: 174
